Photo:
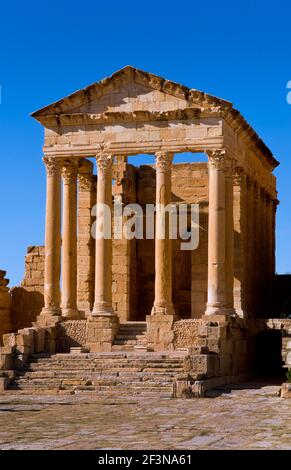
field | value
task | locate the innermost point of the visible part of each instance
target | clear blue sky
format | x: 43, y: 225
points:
x: 240, y: 51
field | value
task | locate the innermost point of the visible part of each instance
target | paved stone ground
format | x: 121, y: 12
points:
x: 249, y: 416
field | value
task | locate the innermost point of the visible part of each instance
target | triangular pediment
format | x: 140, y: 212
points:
x: 130, y: 90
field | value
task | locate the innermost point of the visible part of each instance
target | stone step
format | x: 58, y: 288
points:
x: 120, y: 341
x: 126, y: 329
x: 104, y: 393
x: 126, y: 358
x: 106, y: 367
x: 101, y: 356
x: 131, y: 331
x: 136, y: 337
x: 73, y: 359
x: 94, y: 386
x: 98, y: 384
x: 129, y: 376
x: 122, y: 373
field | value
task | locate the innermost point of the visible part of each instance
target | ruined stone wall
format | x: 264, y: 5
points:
x: 5, y: 302
x: 124, y: 250
x: 27, y: 300
x: 33, y: 280
x: 186, y: 333
x: 145, y: 279
x: 190, y: 185
x: 71, y: 333
x: 86, y: 243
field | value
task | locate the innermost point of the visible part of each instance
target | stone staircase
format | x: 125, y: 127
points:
x: 130, y: 337
x: 103, y: 374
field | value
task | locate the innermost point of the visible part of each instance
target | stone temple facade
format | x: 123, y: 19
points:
x: 210, y: 305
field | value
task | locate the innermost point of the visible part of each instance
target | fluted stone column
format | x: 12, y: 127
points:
x: 52, y: 239
x: 69, y: 241
x: 103, y: 247
x: 216, y: 302
x: 266, y: 240
x: 163, y: 248
x: 240, y: 245
x: 229, y: 235
x: 258, y: 248
x: 269, y: 256
x: 250, y: 247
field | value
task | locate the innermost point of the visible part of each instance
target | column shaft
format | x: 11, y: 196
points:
x: 216, y: 303
x: 103, y: 249
x: 258, y: 248
x: 229, y: 235
x: 69, y: 241
x: 52, y: 238
x: 250, y: 247
x: 240, y: 245
x: 163, y: 247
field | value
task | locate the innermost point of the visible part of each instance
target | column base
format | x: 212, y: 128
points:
x: 163, y: 310
x: 100, y: 332
x: 102, y: 309
x: 160, y: 332
x: 71, y: 314
x: 219, y: 310
x: 49, y: 317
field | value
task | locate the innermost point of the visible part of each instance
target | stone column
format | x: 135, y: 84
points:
x: 216, y: 301
x: 102, y: 324
x: 270, y: 286
x: 163, y: 247
x: 264, y: 259
x: 275, y: 204
x: 69, y: 241
x: 240, y: 242
x: 52, y: 310
x: 258, y: 248
x: 103, y: 247
x: 229, y: 235
x: 250, y: 247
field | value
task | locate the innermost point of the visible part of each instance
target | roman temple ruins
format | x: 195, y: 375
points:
x: 113, y: 288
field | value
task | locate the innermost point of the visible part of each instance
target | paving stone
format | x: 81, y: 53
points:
x: 248, y: 416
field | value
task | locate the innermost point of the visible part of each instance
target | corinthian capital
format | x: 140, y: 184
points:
x: 104, y: 162
x: 85, y: 181
x: 164, y: 161
x: 69, y: 172
x: 217, y: 158
x: 53, y: 165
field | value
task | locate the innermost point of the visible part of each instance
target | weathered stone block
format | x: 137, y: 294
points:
x: 160, y: 333
x: 9, y: 339
x: 100, y: 332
